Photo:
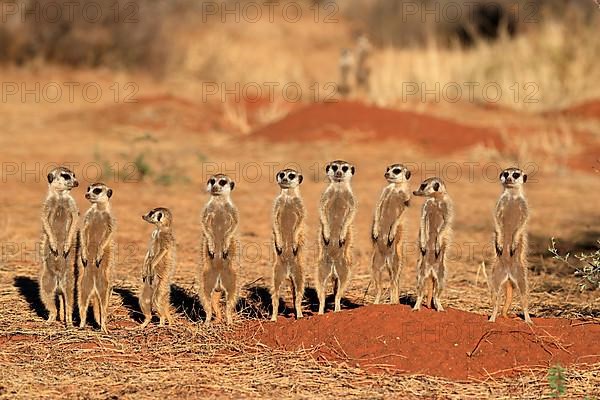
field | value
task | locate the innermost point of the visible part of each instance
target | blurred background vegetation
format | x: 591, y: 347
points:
x: 552, y: 43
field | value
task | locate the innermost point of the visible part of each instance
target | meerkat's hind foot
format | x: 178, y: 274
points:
x: 51, y: 318
x: 527, y: 318
x: 438, y: 305
x: 274, y: 317
x: 145, y: 323
x: 299, y: 314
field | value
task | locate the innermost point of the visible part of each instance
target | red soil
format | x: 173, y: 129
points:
x: 590, y: 109
x: 394, y: 338
x: 360, y: 121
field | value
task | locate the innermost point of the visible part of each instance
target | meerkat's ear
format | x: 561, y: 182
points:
x: 500, y: 176
x: 524, y: 178
x: 50, y: 178
x: 327, y: 168
x: 407, y: 174
x: 352, y: 169
x: 436, y: 186
x: 232, y: 184
x: 300, y: 178
x: 109, y: 193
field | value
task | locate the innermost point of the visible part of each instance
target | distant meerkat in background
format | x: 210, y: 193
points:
x: 510, y: 265
x: 97, y: 255
x: 288, y: 239
x: 363, y: 52
x: 387, y: 230
x: 345, y: 65
x: 336, y: 211
x: 59, y: 226
x: 158, y: 268
x: 219, y: 248
x: 434, y: 238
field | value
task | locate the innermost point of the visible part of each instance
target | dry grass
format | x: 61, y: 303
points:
x: 189, y: 360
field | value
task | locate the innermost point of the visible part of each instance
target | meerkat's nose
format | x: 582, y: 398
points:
x: 87, y: 196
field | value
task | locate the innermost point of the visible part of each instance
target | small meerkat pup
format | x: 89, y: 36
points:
x: 336, y: 213
x: 510, y: 265
x: 158, y: 268
x: 387, y: 230
x: 59, y: 226
x: 219, y: 249
x: 288, y: 239
x: 434, y: 238
x: 96, y: 258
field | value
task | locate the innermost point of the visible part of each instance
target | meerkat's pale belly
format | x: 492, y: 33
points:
x: 61, y: 220
x: 97, y: 232
x: 338, y: 210
x: 288, y: 220
x: 433, y: 223
x: 392, y: 210
x: 510, y: 221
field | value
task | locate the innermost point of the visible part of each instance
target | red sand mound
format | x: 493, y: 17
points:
x: 452, y: 344
x: 360, y: 121
x: 590, y: 109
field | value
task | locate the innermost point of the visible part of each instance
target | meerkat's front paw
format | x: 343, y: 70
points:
x: 98, y: 261
x: 499, y: 249
x: 374, y: 236
x: 225, y: 254
x: 326, y: 239
x: 278, y: 249
x: 66, y: 251
x: 438, y: 250
x: 53, y: 249
x: 423, y: 250
x: 341, y: 242
x: 513, y: 250
x: 295, y: 249
x: 84, y: 260
x: 390, y: 240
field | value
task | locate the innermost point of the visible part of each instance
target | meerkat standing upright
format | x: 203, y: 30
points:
x: 96, y: 255
x: 345, y: 65
x: 59, y: 225
x: 336, y: 212
x: 387, y: 230
x: 363, y: 71
x: 288, y: 238
x: 219, y: 248
x: 510, y: 265
x: 434, y: 238
x: 159, y: 266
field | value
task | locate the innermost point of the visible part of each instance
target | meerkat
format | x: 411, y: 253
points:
x: 158, y: 268
x: 434, y: 238
x: 288, y: 239
x: 59, y: 227
x: 363, y: 71
x: 96, y: 258
x: 219, y: 248
x: 337, y: 209
x: 345, y: 65
x: 387, y: 230
x: 510, y: 241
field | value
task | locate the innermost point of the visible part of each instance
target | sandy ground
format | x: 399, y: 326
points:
x: 182, y: 141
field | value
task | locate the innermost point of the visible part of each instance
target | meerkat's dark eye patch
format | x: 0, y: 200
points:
x: 505, y: 174
x: 159, y: 216
x: 334, y: 168
x: 281, y: 175
x: 151, y: 213
x: 212, y: 181
x: 345, y: 168
x: 66, y: 177
x: 97, y: 191
x: 222, y: 182
x: 397, y: 171
x: 423, y: 186
x: 436, y: 186
x: 89, y: 188
x: 292, y: 176
x: 516, y: 175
